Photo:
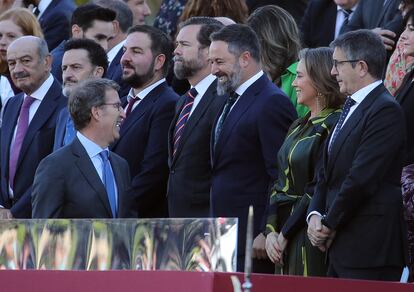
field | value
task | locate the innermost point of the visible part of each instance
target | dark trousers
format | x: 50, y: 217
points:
x: 375, y: 273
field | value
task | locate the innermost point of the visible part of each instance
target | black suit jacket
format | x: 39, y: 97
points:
x: 318, y: 23
x: 245, y: 157
x: 114, y: 73
x: 359, y: 188
x: 55, y: 22
x: 66, y: 185
x: 144, y: 145
x: 37, y: 144
x: 190, y: 168
x: 405, y: 97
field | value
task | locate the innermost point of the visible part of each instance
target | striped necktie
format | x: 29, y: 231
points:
x: 183, y: 117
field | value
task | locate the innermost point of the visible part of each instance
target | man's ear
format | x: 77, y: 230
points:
x: 98, y: 72
x: 159, y: 62
x: 245, y: 59
x: 77, y: 31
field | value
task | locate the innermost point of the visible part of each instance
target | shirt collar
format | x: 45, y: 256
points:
x: 338, y: 8
x: 143, y: 93
x: 41, y: 92
x: 114, y: 51
x: 91, y: 147
x: 243, y: 87
x: 204, y: 84
x: 360, y: 95
x: 43, y: 4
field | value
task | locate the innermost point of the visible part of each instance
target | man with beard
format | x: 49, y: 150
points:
x: 247, y: 133
x: 189, y: 136
x: 83, y: 59
x: 149, y: 111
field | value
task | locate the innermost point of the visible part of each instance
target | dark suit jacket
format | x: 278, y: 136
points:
x: 114, y: 73
x: 190, y: 168
x: 405, y: 98
x: 66, y: 185
x: 245, y: 158
x: 370, y: 14
x: 55, y: 22
x: 144, y: 145
x: 61, y: 128
x: 359, y: 188
x: 37, y: 144
x: 318, y: 23
x: 57, y: 56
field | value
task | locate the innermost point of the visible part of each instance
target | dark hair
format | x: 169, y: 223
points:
x: 408, y: 16
x: 318, y: 64
x: 208, y: 26
x: 279, y: 38
x: 161, y: 43
x: 96, y: 54
x: 123, y: 13
x: 87, y: 94
x: 366, y: 46
x: 240, y: 38
x: 85, y: 15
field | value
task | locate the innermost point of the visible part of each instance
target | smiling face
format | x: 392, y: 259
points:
x: 407, y: 38
x: 9, y: 31
x: 305, y: 91
x: 27, y: 70
x: 225, y: 66
x: 111, y: 117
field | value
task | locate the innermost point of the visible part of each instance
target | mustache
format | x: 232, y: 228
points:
x: 176, y: 58
x: 126, y: 64
x: 20, y: 75
x: 69, y: 79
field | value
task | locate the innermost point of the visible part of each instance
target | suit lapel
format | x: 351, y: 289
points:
x: 196, y: 116
x: 381, y: 10
x: 407, y: 84
x: 86, y: 168
x: 114, y: 64
x: 118, y: 180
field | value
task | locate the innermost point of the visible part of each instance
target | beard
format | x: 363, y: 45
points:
x: 232, y: 81
x: 137, y: 81
x: 187, y: 68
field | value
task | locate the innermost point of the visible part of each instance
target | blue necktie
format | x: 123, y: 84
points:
x: 230, y: 102
x: 69, y: 133
x: 109, y: 181
x: 345, y: 111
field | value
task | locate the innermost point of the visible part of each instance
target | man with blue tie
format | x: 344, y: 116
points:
x: 83, y: 59
x: 84, y: 179
x: 28, y: 123
x: 247, y: 133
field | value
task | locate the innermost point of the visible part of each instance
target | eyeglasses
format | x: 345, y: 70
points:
x: 116, y: 105
x: 336, y: 62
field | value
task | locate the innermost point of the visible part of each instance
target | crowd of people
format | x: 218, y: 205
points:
x: 215, y: 108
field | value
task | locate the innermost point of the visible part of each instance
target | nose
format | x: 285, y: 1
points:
x: 125, y: 57
x: 295, y: 83
x: 122, y: 113
x: 404, y: 35
x: 214, y: 68
x: 334, y: 72
x: 147, y: 10
x: 177, y: 50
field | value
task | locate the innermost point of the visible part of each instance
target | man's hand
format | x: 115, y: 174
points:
x: 273, y: 249
x: 317, y: 233
x: 259, y: 247
x: 5, y: 214
x: 282, y: 241
x: 387, y: 37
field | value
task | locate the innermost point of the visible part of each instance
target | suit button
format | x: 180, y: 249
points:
x: 172, y: 171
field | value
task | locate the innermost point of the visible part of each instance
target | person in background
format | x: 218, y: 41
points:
x: 286, y: 242
x: 140, y: 10
x: 280, y: 45
x: 168, y: 16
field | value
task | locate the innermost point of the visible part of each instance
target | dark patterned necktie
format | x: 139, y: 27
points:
x: 183, y: 117
x: 226, y: 110
x: 345, y: 111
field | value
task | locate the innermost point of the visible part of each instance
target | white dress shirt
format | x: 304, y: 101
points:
x: 142, y: 94
x: 201, y: 88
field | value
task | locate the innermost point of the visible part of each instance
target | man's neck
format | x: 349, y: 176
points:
x: 153, y: 80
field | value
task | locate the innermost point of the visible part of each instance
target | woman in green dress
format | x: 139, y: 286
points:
x: 286, y: 242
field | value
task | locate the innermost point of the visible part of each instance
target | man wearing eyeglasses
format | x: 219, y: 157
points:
x: 84, y: 179
x: 356, y: 210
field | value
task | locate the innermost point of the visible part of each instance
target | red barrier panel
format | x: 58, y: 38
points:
x: 165, y: 281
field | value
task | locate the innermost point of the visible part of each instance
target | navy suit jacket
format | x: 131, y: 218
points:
x: 318, y: 23
x: 358, y: 186
x: 114, y: 73
x: 245, y: 157
x: 66, y: 185
x: 57, y: 56
x: 190, y: 168
x: 61, y: 128
x: 37, y: 144
x: 55, y: 22
x: 144, y: 145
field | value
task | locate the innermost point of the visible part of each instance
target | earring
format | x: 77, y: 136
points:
x: 320, y: 102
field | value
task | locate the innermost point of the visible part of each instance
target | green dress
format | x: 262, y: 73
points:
x: 291, y: 193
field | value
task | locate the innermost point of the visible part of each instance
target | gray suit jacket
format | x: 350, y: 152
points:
x: 66, y: 185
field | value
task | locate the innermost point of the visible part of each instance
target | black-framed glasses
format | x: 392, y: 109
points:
x: 116, y: 105
x: 336, y: 62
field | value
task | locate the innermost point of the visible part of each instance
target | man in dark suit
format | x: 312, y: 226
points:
x: 83, y: 59
x: 88, y: 21
x: 28, y: 123
x: 189, y: 136
x: 122, y: 23
x: 85, y: 179
x: 382, y: 16
x: 323, y: 21
x: 54, y: 18
x: 247, y: 133
x: 150, y: 109
x: 356, y: 210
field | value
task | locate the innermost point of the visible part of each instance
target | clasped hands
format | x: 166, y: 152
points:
x: 275, y: 246
x: 318, y: 234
